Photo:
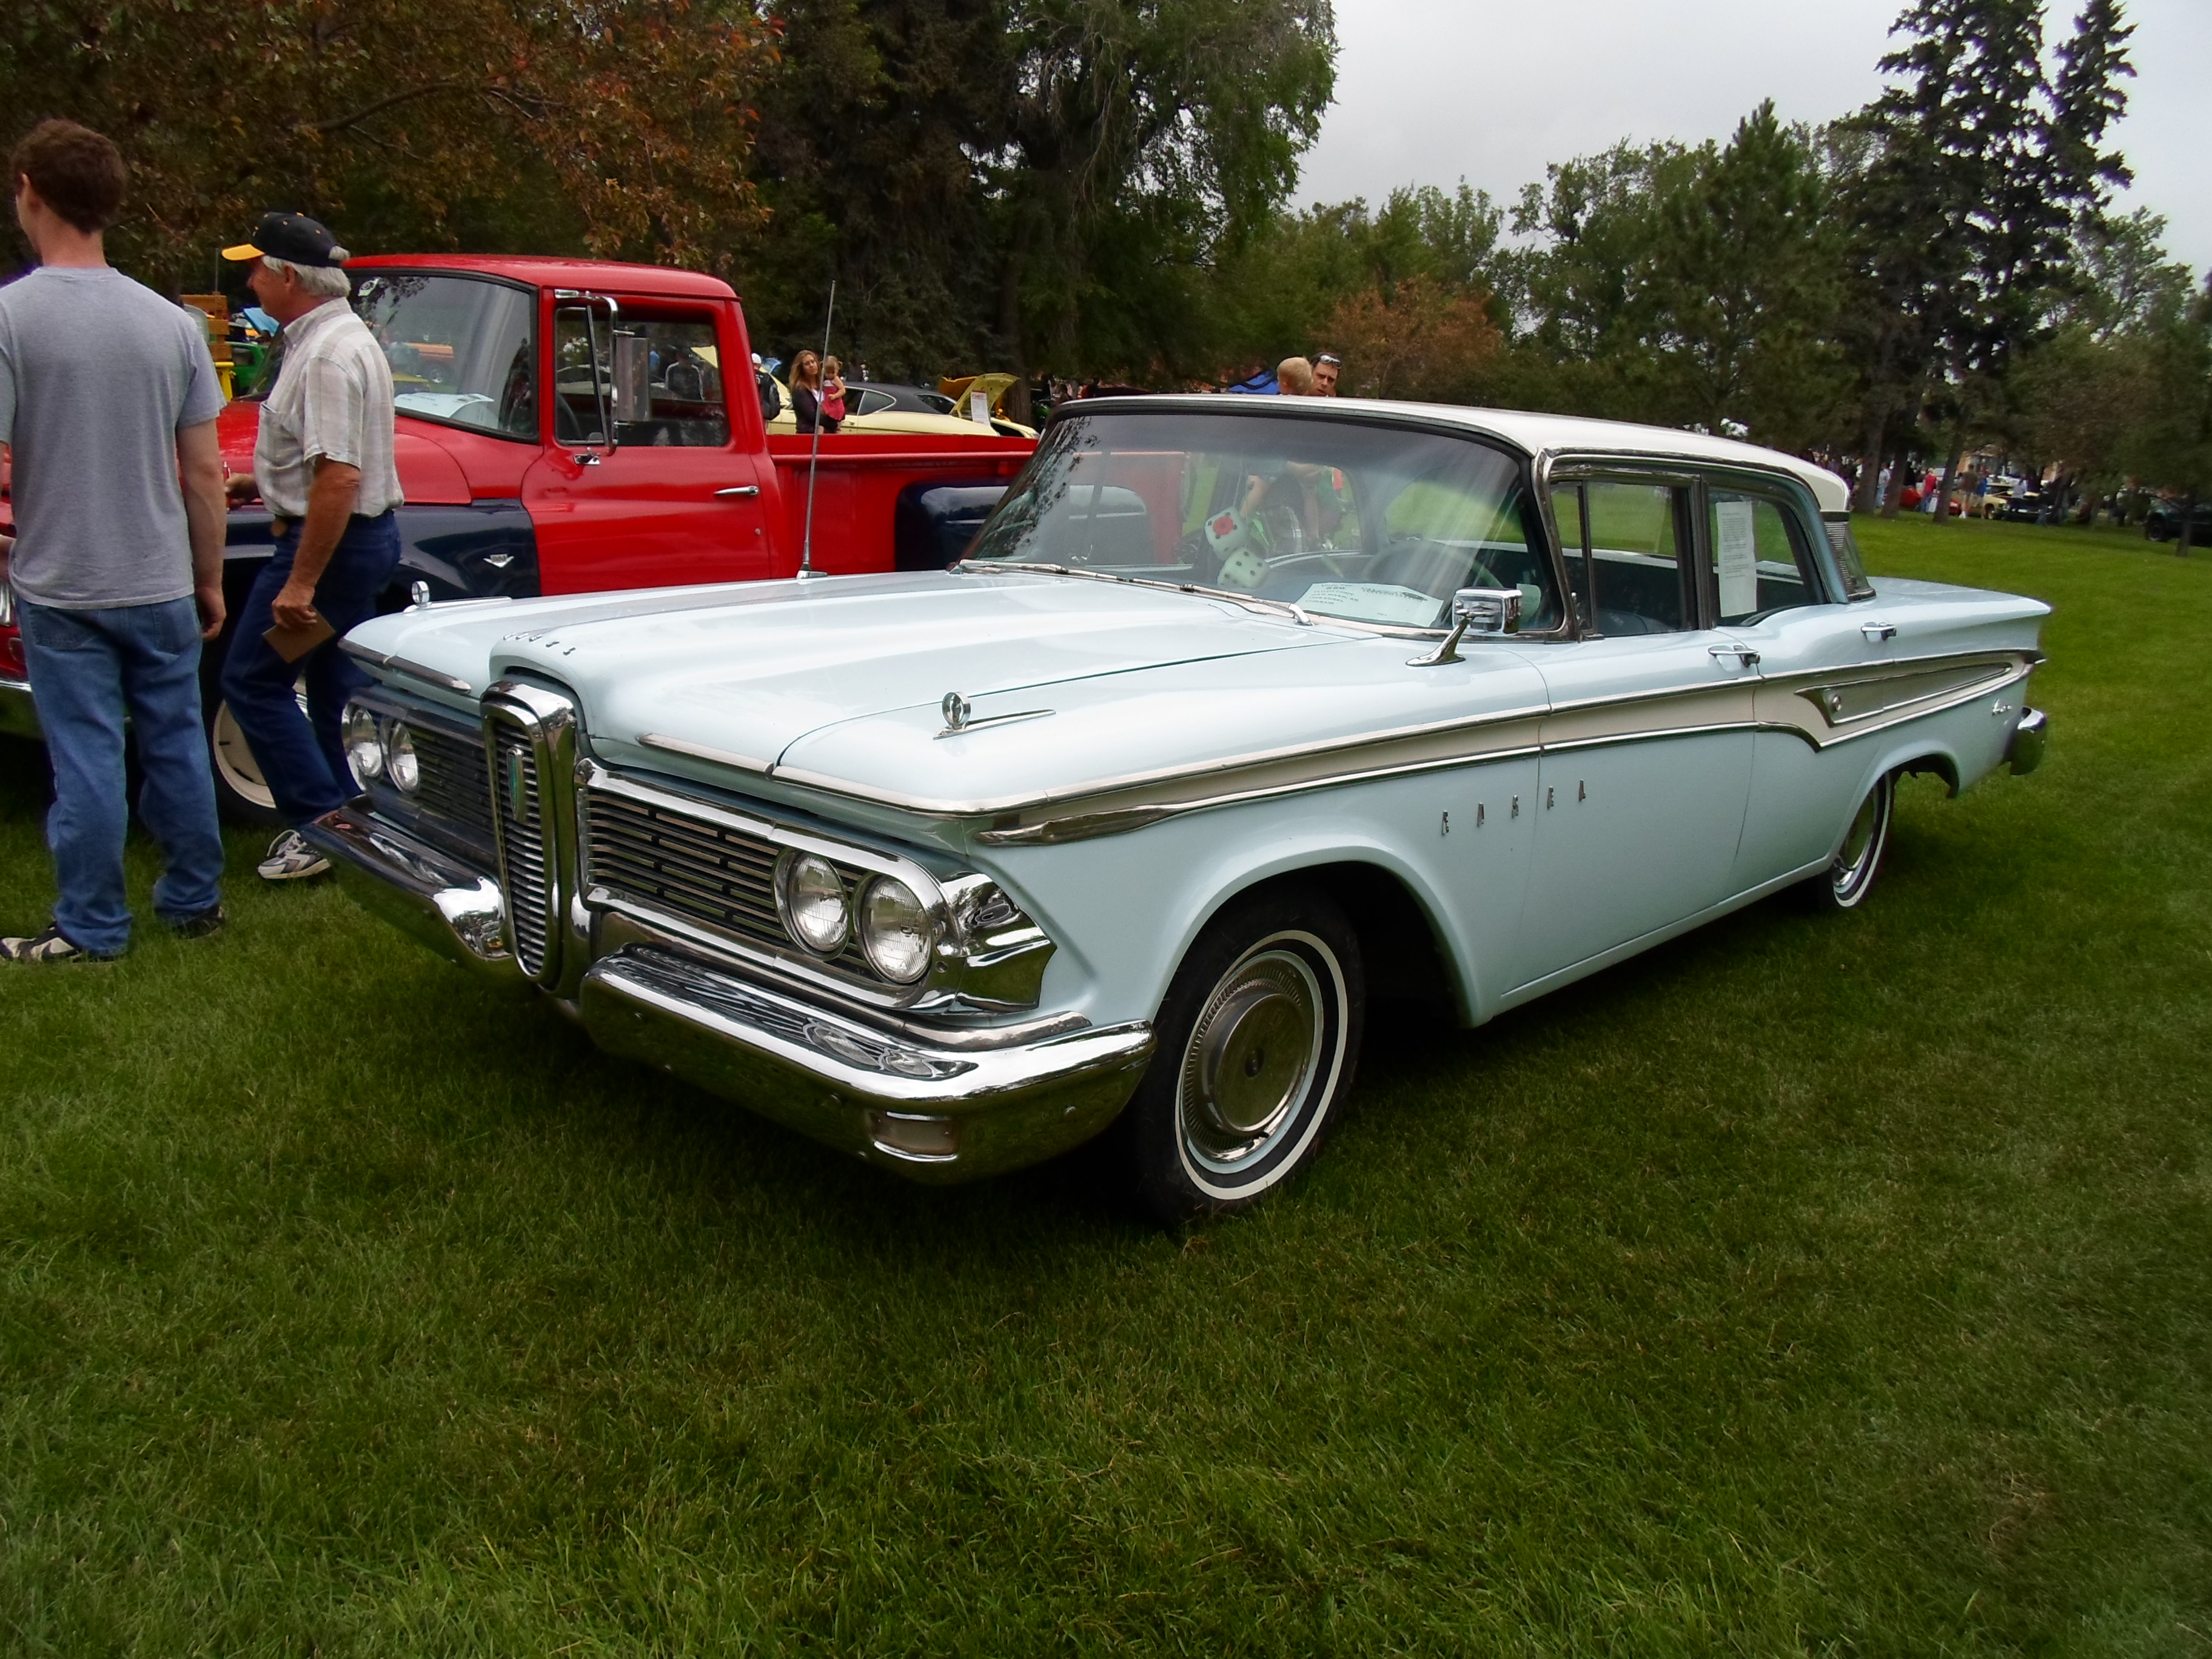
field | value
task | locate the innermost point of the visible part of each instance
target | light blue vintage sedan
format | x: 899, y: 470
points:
x: 1237, y: 715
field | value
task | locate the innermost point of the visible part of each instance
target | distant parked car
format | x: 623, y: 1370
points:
x: 2163, y: 523
x: 1237, y: 712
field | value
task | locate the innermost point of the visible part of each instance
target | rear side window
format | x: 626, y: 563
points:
x: 1760, y: 561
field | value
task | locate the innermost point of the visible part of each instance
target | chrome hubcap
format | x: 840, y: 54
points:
x: 1252, y: 1056
x: 234, y: 760
x: 1854, y: 865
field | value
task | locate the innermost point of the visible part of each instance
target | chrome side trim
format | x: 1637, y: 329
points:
x: 1823, y: 710
x: 700, y: 751
x: 413, y: 671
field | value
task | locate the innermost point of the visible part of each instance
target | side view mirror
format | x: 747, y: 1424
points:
x: 1475, y: 610
x: 1487, y: 610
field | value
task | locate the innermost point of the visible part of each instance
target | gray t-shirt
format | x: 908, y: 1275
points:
x: 97, y: 374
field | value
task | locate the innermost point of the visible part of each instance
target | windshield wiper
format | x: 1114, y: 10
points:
x: 1281, y: 607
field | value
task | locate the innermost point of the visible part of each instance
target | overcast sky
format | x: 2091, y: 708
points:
x: 1429, y: 92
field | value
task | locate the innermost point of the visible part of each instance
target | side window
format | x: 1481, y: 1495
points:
x: 1762, y: 562
x: 1631, y: 579
x: 661, y: 378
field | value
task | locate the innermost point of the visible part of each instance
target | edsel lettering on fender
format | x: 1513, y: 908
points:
x: 1231, y: 715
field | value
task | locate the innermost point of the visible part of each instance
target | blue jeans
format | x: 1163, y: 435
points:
x: 89, y: 669
x: 302, y: 756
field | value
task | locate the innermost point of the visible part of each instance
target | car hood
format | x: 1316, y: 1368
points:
x: 748, y: 670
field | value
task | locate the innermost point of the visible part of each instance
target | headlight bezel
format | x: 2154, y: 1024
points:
x: 794, y: 865
x: 878, y: 935
x: 403, y: 763
x: 362, y: 729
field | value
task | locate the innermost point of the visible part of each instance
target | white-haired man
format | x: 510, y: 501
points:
x: 323, y: 465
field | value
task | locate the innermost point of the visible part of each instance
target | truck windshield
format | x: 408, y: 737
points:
x: 1369, y: 523
x: 462, y: 350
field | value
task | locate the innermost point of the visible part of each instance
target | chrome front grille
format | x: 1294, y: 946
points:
x: 672, y: 862
x: 524, y: 868
x: 454, y: 790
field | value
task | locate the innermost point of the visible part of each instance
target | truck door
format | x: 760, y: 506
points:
x: 644, y: 482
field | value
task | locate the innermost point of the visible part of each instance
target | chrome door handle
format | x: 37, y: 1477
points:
x: 1877, y: 632
x: 1743, y: 654
x: 736, y: 493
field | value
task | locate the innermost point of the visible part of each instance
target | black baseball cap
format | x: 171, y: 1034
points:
x: 292, y: 236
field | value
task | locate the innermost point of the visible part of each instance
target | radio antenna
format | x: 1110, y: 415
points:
x: 814, y: 460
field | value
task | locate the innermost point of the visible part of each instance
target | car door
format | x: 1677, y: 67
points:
x: 647, y: 480
x: 1647, y: 746
x: 1783, y: 603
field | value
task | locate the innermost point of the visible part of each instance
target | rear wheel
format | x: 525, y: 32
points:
x: 1258, y: 1039
x: 1849, y: 876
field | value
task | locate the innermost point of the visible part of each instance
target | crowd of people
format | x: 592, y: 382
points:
x: 117, y: 587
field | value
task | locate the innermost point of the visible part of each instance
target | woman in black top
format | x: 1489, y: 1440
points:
x: 806, y: 394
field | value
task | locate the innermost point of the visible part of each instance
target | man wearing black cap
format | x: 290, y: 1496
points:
x: 323, y: 465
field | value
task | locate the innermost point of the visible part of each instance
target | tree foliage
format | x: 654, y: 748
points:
x: 620, y: 125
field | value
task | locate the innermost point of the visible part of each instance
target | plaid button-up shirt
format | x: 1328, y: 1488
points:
x: 333, y: 399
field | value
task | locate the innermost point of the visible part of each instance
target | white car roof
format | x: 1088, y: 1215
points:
x: 1576, y: 434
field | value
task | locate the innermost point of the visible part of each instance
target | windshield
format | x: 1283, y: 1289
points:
x: 461, y: 350
x: 1368, y: 523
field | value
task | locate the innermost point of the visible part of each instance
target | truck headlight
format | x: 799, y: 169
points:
x: 811, y: 895
x: 400, y: 764
x: 364, y: 745
x: 895, y: 931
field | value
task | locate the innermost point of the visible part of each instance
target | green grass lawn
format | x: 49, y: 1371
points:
x: 1829, y: 1286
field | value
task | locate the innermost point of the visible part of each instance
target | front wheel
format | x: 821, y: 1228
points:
x: 1259, y: 1036
x: 1849, y: 876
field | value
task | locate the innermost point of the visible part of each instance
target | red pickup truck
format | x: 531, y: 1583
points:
x: 569, y: 426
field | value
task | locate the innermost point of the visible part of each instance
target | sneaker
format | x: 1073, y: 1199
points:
x: 290, y: 859
x: 53, y: 945
x: 200, y: 924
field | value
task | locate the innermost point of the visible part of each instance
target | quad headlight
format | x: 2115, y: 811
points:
x: 364, y: 744
x: 896, y: 933
x: 809, y: 896
x: 400, y: 764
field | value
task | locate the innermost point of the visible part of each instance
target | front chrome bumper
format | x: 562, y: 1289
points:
x: 19, y: 715
x: 2024, y: 749
x: 456, y: 911
x: 936, y: 1112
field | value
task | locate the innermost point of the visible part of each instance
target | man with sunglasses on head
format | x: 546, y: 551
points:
x: 1326, y: 368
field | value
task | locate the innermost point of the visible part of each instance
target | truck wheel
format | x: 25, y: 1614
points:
x: 240, y: 794
x: 1849, y: 878
x: 1259, y: 1036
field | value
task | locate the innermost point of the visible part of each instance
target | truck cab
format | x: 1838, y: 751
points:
x: 573, y: 426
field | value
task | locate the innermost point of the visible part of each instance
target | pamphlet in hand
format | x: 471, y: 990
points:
x: 294, y: 643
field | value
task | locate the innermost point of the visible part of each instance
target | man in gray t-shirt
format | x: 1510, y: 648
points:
x: 107, y: 403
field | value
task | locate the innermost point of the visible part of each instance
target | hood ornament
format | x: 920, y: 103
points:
x: 959, y: 718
